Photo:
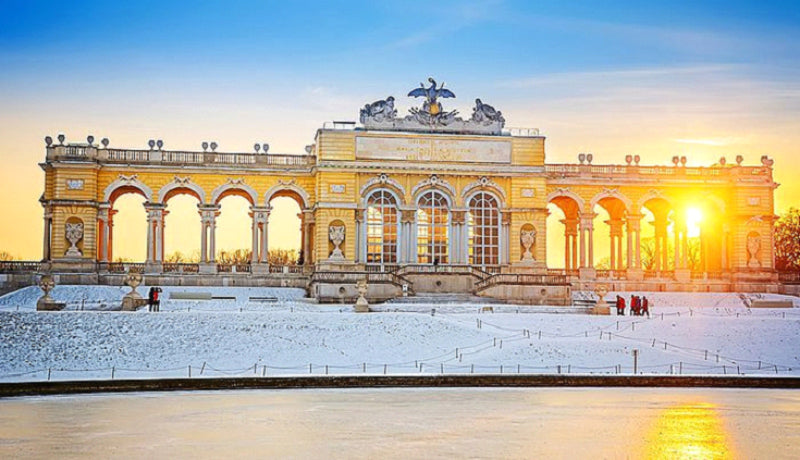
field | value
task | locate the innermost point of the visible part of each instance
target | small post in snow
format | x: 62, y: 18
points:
x: 635, y: 361
x: 264, y: 372
x: 113, y: 369
x: 190, y: 371
x: 384, y: 369
x: 48, y: 372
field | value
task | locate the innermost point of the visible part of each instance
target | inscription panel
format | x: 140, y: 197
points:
x: 433, y: 149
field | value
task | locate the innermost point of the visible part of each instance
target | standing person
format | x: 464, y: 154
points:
x: 645, y: 307
x: 622, y: 305
x: 156, y: 299
x: 150, y: 296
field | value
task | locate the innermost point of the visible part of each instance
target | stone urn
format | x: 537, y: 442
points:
x: 74, y: 233
x: 133, y: 299
x: 601, y: 307
x: 336, y: 235
x: 362, y: 306
x: 527, y: 238
x: 45, y: 302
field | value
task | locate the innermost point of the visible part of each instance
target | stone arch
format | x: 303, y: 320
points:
x: 397, y: 197
x: 234, y: 187
x: 484, y: 184
x: 289, y: 189
x: 181, y: 186
x: 566, y: 193
x: 383, y: 182
x: 126, y: 184
x: 434, y: 182
x: 652, y: 195
x: 613, y: 194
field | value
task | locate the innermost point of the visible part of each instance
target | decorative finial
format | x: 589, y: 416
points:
x: 151, y: 143
x: 265, y: 147
x: 722, y: 161
x: 683, y: 161
x: 675, y: 160
x: 589, y: 158
x: 48, y: 140
x: 104, y: 141
x: 739, y: 160
x: 628, y: 159
x: 61, y: 138
x: 581, y: 157
x: 204, y: 145
x: 160, y: 144
x: 257, y: 147
x: 90, y: 139
x: 309, y: 148
x: 636, y: 159
x: 213, y: 146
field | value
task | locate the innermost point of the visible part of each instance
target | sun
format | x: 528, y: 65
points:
x: 693, y: 218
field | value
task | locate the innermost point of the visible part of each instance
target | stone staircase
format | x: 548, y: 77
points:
x: 449, y: 298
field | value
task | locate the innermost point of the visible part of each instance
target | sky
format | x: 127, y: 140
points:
x: 701, y: 79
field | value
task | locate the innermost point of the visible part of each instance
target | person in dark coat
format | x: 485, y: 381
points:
x: 156, y: 299
x: 645, y: 307
x: 150, y: 296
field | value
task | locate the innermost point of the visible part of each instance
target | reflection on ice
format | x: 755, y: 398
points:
x: 689, y: 431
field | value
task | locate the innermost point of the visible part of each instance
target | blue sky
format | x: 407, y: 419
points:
x: 702, y: 79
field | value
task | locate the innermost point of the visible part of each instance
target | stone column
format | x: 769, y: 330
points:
x: 360, y: 217
x: 102, y: 232
x: 208, y: 222
x: 505, y: 237
x: 48, y: 224
x: 724, y: 249
x: 308, y: 222
x: 587, y: 270
x: 459, y: 236
x: 155, y: 235
x: 407, y: 218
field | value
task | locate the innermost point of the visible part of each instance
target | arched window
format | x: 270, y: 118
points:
x: 381, y: 228
x: 483, y: 222
x: 433, y: 228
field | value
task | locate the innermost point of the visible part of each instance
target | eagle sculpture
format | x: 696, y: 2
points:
x: 431, y: 94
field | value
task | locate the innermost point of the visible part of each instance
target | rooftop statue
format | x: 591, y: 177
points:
x: 431, y: 117
x: 379, y: 110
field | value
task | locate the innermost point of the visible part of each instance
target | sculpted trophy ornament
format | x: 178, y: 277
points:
x: 431, y: 116
x: 74, y: 233
x: 528, y: 239
x: 382, y: 110
x: 336, y: 235
x: 753, y: 248
x: 362, y: 306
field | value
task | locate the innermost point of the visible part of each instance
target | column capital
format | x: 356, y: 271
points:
x: 458, y: 217
x: 408, y: 216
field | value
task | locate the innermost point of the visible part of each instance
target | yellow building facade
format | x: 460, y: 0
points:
x: 428, y: 194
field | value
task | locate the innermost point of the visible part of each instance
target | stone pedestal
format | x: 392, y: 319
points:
x: 153, y: 268
x: 259, y: 268
x: 48, y: 304
x: 683, y: 275
x: 601, y: 307
x: 587, y: 273
x: 208, y: 268
x: 362, y: 306
x: 635, y: 274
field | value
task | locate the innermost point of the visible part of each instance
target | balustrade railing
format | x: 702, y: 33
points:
x: 180, y: 268
x: 521, y: 279
x: 12, y: 266
x: 789, y: 277
x: 564, y: 170
x: 138, y: 156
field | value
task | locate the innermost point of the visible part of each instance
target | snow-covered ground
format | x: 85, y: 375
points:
x: 687, y: 333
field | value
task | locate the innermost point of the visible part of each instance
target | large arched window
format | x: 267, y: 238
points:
x: 381, y: 228
x: 433, y: 228
x: 483, y: 222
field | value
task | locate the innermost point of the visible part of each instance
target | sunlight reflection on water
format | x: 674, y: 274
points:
x: 408, y: 423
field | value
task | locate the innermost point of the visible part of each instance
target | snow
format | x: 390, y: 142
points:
x: 688, y: 333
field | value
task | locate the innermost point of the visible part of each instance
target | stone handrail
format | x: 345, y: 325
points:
x: 521, y: 279
x: 14, y: 266
x: 103, y: 155
x: 574, y: 170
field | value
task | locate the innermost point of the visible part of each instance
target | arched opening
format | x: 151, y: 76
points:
x: 181, y: 227
x: 658, y: 221
x: 233, y: 237
x: 611, y: 248
x: 433, y: 228
x: 483, y: 227
x: 285, y: 229
x: 382, y: 220
x: 128, y: 223
x: 562, y: 247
